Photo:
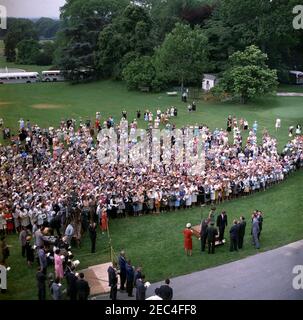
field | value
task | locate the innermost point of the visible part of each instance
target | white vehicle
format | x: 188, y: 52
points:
x: 19, y: 77
x: 52, y: 76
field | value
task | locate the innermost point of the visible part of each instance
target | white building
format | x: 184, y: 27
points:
x: 209, y: 81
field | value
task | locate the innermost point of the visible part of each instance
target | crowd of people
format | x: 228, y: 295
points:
x: 51, y: 178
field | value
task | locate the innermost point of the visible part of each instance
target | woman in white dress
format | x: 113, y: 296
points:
x: 2, y: 223
x: 16, y: 217
x: 24, y: 218
x: 278, y: 124
x: 212, y: 195
x: 194, y: 197
x: 188, y: 198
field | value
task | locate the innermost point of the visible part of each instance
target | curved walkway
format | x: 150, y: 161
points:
x: 267, y: 275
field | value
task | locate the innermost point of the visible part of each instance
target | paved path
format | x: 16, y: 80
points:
x: 266, y: 275
x: 290, y: 94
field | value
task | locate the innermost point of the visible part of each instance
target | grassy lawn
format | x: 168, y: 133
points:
x: 62, y: 100
x: 156, y: 242
x: 290, y: 88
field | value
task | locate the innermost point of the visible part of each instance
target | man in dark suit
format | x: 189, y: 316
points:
x: 203, y: 233
x: 234, y: 235
x: 42, y: 259
x: 260, y: 219
x: 92, y: 229
x: 71, y: 280
x: 41, y: 278
x: 83, y: 288
x: 138, y: 275
x: 113, y: 281
x: 211, y: 237
x: 166, y: 292
x: 122, y: 266
x: 130, y: 275
x: 221, y: 224
x: 55, y: 223
x: 141, y: 289
x: 242, y: 226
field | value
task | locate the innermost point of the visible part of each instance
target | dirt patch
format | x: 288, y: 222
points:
x: 44, y: 106
x: 3, y: 103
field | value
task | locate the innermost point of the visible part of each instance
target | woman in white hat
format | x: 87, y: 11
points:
x: 188, y: 243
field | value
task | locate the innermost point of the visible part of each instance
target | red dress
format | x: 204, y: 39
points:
x: 104, y: 220
x: 9, y: 221
x: 188, y: 243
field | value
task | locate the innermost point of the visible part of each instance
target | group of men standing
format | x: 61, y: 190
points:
x: 130, y: 278
x: 215, y: 235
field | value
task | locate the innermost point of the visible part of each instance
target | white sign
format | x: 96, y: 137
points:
x: 3, y: 17
x: 138, y: 147
x: 297, y: 281
x: 3, y: 278
x: 298, y: 19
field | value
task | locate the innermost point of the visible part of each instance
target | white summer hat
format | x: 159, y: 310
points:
x: 188, y: 225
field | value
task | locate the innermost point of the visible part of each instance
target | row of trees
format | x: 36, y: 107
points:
x: 173, y: 40
x: 156, y: 43
x: 22, y: 37
x: 182, y: 58
x: 104, y: 36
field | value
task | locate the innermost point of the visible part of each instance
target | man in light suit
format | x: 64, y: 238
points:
x: 255, y: 232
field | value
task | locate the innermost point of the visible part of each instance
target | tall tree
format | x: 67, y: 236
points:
x: 17, y: 30
x: 141, y: 73
x: 183, y: 56
x: 128, y: 37
x: 248, y: 75
x: 82, y: 23
x: 28, y: 51
x: 46, y: 53
x: 47, y: 27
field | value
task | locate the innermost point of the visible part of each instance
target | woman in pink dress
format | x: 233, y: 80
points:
x: 58, y: 265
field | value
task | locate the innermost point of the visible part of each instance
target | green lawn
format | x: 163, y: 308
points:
x: 156, y: 242
x: 110, y: 98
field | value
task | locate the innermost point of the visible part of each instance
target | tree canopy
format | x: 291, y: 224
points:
x: 127, y: 37
x: 183, y: 56
x: 18, y: 30
x: 180, y: 39
x: 248, y: 75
